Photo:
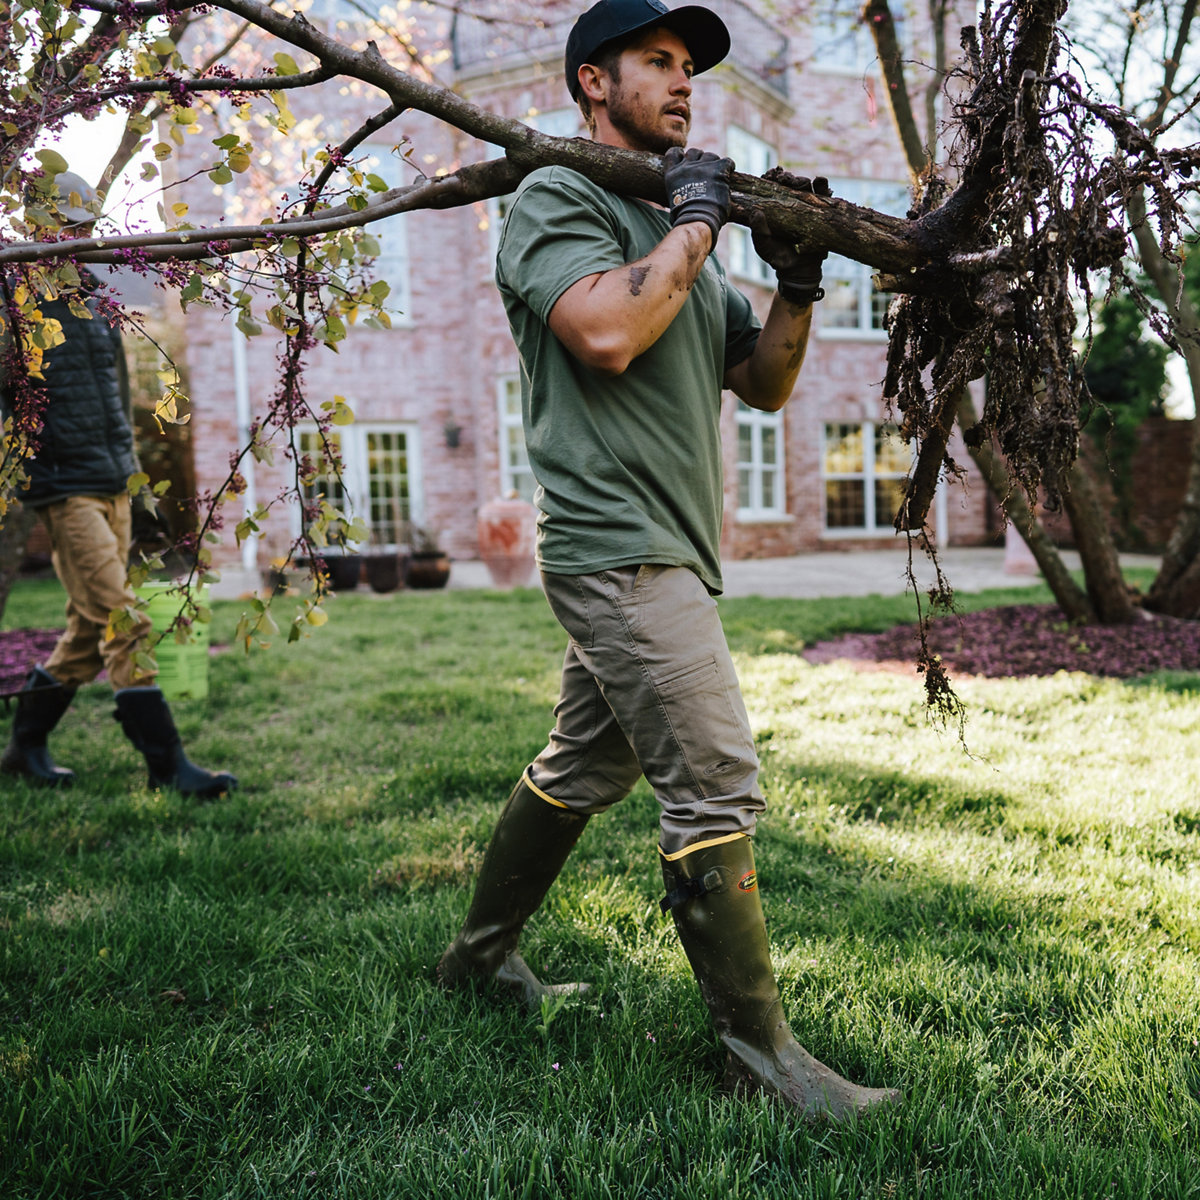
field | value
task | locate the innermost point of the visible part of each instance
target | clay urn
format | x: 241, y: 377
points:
x: 507, y: 530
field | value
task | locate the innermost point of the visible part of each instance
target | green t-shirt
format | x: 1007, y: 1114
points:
x: 628, y: 466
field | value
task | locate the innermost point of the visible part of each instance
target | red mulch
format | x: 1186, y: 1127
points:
x: 1026, y: 639
x: 20, y: 649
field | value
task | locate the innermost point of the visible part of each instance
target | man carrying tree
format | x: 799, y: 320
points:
x: 77, y: 483
x: 628, y: 331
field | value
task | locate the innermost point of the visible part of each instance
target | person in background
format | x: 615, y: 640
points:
x: 78, y: 479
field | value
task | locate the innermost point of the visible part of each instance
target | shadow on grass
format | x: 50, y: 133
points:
x: 887, y: 797
x: 1177, y: 683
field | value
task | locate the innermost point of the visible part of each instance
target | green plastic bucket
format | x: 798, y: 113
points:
x: 182, y: 668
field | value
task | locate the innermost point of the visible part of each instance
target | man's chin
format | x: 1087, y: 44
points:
x: 668, y: 139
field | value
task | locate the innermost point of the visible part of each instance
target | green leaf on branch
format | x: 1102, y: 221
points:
x: 342, y: 413
x: 52, y: 162
x: 192, y: 289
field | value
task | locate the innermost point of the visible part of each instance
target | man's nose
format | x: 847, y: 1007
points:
x: 682, y: 83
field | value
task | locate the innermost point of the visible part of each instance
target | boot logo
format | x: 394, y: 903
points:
x: 748, y: 882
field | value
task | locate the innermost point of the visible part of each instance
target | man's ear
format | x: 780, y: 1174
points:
x: 593, y: 82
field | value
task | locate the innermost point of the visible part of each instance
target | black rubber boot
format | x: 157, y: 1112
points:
x: 40, y: 706
x: 148, y: 724
x: 530, y: 844
x: 712, y: 893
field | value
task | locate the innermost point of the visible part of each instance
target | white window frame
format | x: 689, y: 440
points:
x: 844, y: 275
x: 394, y: 263
x: 516, y: 473
x: 868, y: 477
x: 557, y: 122
x: 763, y: 476
x: 355, y: 477
x: 752, y: 156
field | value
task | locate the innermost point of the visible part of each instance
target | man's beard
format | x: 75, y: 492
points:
x: 630, y: 119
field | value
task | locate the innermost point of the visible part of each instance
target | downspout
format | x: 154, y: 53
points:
x: 241, y: 395
x: 241, y: 398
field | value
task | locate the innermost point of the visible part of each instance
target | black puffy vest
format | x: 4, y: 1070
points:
x: 86, y: 443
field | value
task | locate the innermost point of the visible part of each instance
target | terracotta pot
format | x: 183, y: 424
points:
x: 427, y: 571
x: 507, y: 531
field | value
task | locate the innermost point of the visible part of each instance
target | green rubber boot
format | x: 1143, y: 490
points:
x: 528, y: 849
x: 712, y: 893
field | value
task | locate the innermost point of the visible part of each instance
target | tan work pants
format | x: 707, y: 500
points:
x: 648, y: 686
x: 89, y: 543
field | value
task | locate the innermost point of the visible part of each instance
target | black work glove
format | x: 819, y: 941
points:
x: 798, y: 271
x: 698, y: 187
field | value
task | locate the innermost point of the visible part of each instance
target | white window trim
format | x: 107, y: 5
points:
x: 508, y: 480
x: 867, y: 476
x: 355, y: 475
x: 756, y: 421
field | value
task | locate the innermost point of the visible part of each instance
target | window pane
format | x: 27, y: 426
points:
x: 388, y: 485
x: 745, y: 488
x: 557, y: 122
x: 770, y: 456
x: 839, y: 309
x: 525, y: 485
x: 327, y: 481
x: 769, y: 479
x: 892, y: 456
x: 888, y: 496
x: 843, y: 450
x: 745, y: 436
x: 845, y: 506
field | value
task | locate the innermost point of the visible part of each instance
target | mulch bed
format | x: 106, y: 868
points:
x: 20, y: 649
x: 1025, y: 639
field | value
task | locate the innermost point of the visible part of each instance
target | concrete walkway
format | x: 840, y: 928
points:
x: 851, y: 573
x: 830, y: 573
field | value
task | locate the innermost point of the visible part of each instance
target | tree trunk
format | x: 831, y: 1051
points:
x: 1069, y: 595
x: 14, y: 534
x: 1176, y: 588
x: 1111, y: 599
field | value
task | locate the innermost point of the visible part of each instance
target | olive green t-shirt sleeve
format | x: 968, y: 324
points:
x: 563, y: 236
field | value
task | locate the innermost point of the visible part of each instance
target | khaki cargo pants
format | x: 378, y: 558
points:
x: 649, y: 687
x: 89, y: 543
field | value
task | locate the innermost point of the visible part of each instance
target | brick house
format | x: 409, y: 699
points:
x: 436, y: 399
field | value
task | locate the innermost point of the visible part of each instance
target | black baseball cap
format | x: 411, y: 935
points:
x: 702, y: 30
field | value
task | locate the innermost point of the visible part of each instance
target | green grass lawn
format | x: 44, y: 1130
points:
x: 236, y: 999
